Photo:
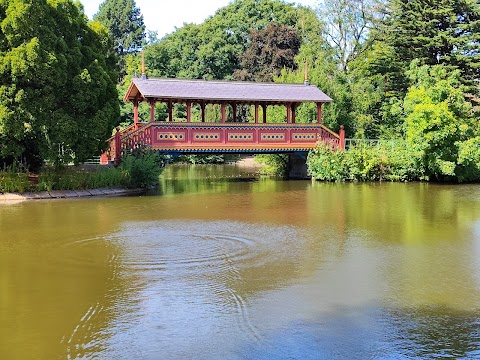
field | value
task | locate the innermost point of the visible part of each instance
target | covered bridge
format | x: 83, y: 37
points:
x: 230, y: 132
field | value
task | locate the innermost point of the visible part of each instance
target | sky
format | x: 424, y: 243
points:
x: 165, y: 15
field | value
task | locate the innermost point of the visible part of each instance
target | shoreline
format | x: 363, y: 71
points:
x: 14, y: 198
x: 10, y: 198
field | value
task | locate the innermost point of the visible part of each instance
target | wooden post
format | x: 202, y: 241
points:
x: 135, y: 113
x: 264, y: 107
x: 234, y: 110
x: 319, y: 113
x: 256, y: 113
x: 189, y: 111
x: 294, y: 113
x: 202, y: 105
x: 152, y: 110
x: 289, y: 113
x: 342, y: 138
x: 224, y: 113
x: 170, y: 110
x: 118, y: 146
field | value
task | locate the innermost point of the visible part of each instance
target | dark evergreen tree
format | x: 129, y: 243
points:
x: 436, y: 32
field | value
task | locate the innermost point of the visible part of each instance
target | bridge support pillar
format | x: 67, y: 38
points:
x: 297, y: 166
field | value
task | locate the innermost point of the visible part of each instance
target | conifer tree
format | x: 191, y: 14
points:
x: 445, y: 32
x: 124, y: 22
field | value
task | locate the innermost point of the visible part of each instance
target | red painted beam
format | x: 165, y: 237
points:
x: 342, y: 138
x: 319, y: 113
x: 118, y: 146
x: 135, y: 113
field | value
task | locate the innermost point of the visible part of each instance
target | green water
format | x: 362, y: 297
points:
x: 217, y: 265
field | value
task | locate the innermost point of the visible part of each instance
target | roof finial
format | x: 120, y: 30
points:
x: 144, y: 73
x: 305, y: 82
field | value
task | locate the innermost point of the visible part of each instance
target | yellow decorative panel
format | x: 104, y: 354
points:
x: 304, y: 137
x: 273, y: 137
x: 206, y: 136
x: 240, y: 137
x: 171, y: 136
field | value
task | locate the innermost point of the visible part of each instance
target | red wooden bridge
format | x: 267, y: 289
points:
x: 229, y: 133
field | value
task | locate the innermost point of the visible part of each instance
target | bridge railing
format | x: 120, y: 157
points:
x: 391, y: 144
x: 116, y: 143
x: 222, y: 137
x: 329, y: 137
x: 141, y: 137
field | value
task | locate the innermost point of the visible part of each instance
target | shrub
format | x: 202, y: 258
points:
x: 141, y: 168
x: 326, y: 164
x: 391, y: 161
x: 13, y: 182
x: 468, y: 168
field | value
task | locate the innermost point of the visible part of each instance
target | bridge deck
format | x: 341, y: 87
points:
x: 223, y: 137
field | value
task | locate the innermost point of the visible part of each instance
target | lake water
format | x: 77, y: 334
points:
x: 216, y: 265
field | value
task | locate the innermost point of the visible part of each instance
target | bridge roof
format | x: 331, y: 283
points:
x: 218, y: 91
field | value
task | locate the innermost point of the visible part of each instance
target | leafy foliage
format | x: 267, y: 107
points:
x: 348, y: 25
x: 213, y: 49
x: 385, y: 162
x: 469, y: 160
x: 57, y: 89
x: 438, y: 118
x: 13, y: 179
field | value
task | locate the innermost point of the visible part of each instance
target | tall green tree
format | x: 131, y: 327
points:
x: 443, y: 32
x: 124, y: 21
x: 212, y: 50
x: 58, y: 99
x: 440, y: 122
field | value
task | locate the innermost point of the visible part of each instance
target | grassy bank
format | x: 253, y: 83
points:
x: 137, y: 170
